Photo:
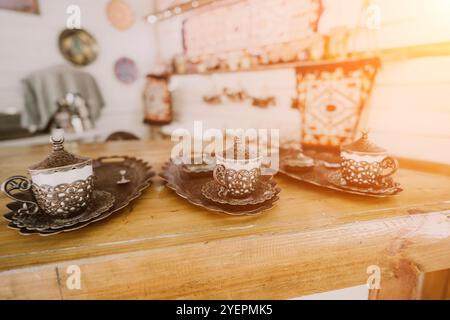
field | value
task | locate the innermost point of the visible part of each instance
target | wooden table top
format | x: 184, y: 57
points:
x: 163, y: 247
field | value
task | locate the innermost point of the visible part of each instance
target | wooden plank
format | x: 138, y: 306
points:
x: 267, y: 266
x: 403, y: 284
x: 436, y: 285
x: 184, y: 7
x: 389, y: 55
x: 420, y: 147
x: 447, y: 295
x: 427, y: 166
x: 31, y: 283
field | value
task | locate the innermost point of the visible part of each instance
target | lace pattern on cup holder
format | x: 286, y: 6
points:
x: 237, y: 183
x: 64, y: 199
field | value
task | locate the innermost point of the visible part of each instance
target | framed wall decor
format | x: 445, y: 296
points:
x: 27, y: 6
x: 331, y: 98
x: 78, y: 46
x: 250, y: 25
x: 120, y: 14
x: 126, y: 70
x: 157, y: 100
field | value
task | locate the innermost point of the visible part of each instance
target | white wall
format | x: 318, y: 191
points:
x: 408, y: 113
x: 29, y: 42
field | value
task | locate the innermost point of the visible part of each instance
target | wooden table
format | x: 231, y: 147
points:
x: 314, y: 240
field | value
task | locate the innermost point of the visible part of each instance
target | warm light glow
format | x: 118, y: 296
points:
x: 152, y: 19
x: 194, y: 4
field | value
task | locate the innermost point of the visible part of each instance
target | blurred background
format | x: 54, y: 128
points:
x: 147, y: 67
x: 320, y: 71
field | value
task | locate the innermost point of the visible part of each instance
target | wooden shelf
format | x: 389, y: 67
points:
x: 43, y: 139
x: 389, y: 54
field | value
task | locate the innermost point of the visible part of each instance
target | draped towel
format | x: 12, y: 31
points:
x: 43, y: 88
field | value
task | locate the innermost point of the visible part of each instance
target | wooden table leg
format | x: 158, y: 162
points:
x: 402, y: 281
x: 436, y: 285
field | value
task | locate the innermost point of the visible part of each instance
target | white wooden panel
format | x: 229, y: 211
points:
x: 416, y: 71
x: 410, y: 100
x: 403, y: 22
x: 414, y: 146
x: 424, y: 123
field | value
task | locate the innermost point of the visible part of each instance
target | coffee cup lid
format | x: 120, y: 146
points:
x: 363, y: 145
x: 58, y: 157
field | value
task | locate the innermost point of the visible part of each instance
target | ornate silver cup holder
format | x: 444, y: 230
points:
x: 193, y: 189
x: 264, y: 191
x: 110, y: 195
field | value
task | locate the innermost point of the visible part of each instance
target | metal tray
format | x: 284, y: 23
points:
x: 190, y: 188
x: 320, y: 175
x: 106, y: 170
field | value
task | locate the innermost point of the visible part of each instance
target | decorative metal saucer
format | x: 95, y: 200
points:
x: 263, y: 192
x: 300, y: 162
x: 198, y: 168
x: 196, y: 164
x: 190, y: 188
x: 101, y: 201
x: 386, y: 187
x: 107, y: 171
x: 330, y: 160
x: 294, y: 157
x: 319, y: 176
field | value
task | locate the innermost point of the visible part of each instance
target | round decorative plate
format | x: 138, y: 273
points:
x: 126, y: 70
x: 78, y: 46
x: 120, y: 14
x: 389, y: 187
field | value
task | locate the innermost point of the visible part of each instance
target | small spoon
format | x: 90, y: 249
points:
x: 123, y: 180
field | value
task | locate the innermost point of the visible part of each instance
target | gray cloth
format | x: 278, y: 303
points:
x: 42, y: 89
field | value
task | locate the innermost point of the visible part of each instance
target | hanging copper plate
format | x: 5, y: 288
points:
x: 126, y: 70
x: 107, y: 172
x: 190, y: 188
x: 78, y: 46
x: 120, y: 14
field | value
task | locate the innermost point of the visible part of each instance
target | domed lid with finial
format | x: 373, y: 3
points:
x: 59, y: 157
x: 363, y: 145
x: 239, y: 152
